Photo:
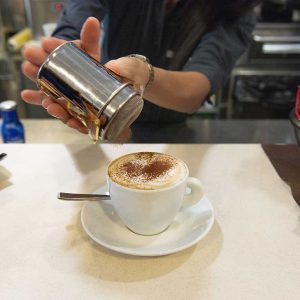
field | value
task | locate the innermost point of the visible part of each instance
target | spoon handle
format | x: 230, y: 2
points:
x: 82, y: 197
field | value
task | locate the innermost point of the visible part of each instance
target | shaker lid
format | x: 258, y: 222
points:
x: 126, y: 114
x: 8, y: 105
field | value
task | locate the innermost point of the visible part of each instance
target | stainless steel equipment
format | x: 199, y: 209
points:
x: 105, y: 103
x: 275, y: 43
x: 264, y: 82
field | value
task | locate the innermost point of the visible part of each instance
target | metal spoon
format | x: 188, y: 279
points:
x: 82, y: 197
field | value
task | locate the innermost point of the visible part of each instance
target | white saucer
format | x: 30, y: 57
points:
x: 103, y: 225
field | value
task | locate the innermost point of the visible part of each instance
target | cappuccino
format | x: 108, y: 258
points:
x: 147, y: 170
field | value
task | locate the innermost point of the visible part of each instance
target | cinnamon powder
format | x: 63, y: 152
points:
x: 150, y: 171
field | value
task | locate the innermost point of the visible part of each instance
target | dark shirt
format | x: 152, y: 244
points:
x: 132, y: 26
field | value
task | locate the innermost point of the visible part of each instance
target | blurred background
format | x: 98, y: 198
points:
x: 262, y: 85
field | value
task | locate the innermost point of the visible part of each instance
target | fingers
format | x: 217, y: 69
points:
x: 47, y: 102
x: 75, y: 124
x: 33, y: 97
x: 56, y: 110
x: 53, y: 108
x: 30, y: 70
x: 60, y: 112
x: 90, y: 37
x: 49, y: 44
x: 36, y: 98
x: 35, y: 55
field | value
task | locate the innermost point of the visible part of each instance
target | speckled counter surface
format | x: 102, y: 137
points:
x: 251, y: 252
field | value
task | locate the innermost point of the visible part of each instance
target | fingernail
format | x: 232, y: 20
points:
x: 55, y: 116
x: 82, y: 130
x: 44, y: 103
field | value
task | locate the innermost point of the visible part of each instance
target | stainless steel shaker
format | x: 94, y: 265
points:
x: 105, y: 103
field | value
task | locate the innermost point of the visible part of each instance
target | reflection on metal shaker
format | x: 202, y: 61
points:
x: 105, y: 103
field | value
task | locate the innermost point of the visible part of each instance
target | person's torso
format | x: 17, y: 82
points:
x: 141, y: 27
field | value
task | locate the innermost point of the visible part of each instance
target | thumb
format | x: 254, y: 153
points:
x: 90, y: 37
x: 132, y: 69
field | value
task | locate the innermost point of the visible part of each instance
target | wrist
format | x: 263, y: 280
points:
x: 149, y: 68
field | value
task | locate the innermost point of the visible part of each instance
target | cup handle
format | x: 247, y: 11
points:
x: 196, y: 192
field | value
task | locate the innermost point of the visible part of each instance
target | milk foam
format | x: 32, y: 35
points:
x: 147, y: 170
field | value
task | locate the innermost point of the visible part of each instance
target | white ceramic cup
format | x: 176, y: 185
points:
x: 149, y: 212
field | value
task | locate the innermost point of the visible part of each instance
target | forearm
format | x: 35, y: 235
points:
x: 178, y: 90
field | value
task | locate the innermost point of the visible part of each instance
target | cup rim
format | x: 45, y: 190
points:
x: 149, y: 190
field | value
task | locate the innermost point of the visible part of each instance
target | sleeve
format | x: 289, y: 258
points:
x: 74, y: 15
x: 218, y: 51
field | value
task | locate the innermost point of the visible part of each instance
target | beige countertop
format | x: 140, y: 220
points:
x: 193, y: 131
x: 251, y: 252
x: 47, y: 131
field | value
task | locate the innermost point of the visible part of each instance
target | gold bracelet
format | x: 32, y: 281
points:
x: 150, y: 68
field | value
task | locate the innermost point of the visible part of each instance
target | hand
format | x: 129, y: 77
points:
x: 34, y: 58
x: 130, y: 68
x: 133, y: 69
